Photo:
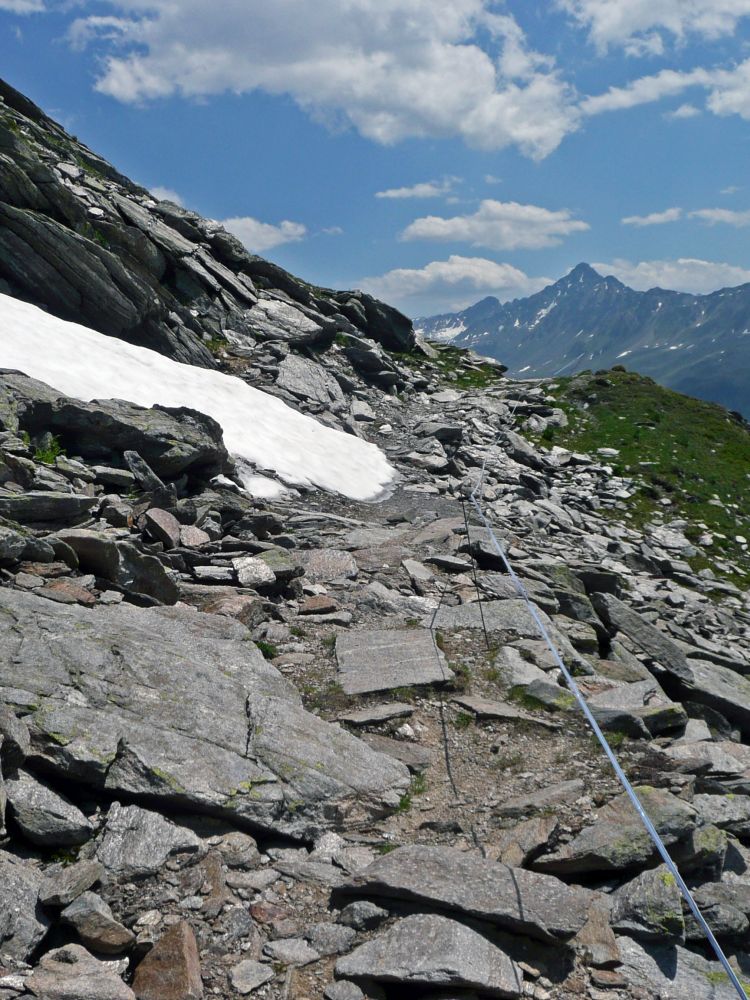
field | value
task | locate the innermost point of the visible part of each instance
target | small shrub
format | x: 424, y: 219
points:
x: 267, y: 649
x: 51, y: 449
x: 463, y: 720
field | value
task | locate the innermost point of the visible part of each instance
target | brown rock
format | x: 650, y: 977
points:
x: 171, y: 970
x: 66, y: 592
x: 163, y: 526
x: 192, y: 537
x: 320, y: 605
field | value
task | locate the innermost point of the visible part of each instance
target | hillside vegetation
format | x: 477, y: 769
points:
x: 692, y: 458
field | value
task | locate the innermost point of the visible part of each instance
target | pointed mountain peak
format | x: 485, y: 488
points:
x: 583, y: 272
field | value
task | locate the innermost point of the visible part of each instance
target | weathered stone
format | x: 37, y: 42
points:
x: 12, y: 545
x: 178, y: 706
x: 16, y: 742
x: 172, y: 969
x: 291, y: 951
x: 45, y: 817
x: 253, y: 572
x: 728, y: 812
x: 324, y: 565
x: 363, y: 915
x: 163, y: 526
x: 430, y: 950
x: 596, y: 939
x: 546, y: 798
x: 330, y: 939
x: 192, y: 537
x: 484, y: 708
x: 520, y: 901
x: 673, y: 973
x: 58, y: 888
x: 416, y: 757
x: 375, y: 714
x: 725, y: 905
x: 380, y: 660
x: 343, y: 990
x: 308, y: 380
x: 649, y: 907
x: 617, y: 840
x: 249, y: 976
x: 23, y: 924
x: 137, y: 842
x: 526, y: 840
x: 72, y: 973
x: 46, y: 507
x: 96, y: 925
x: 121, y: 563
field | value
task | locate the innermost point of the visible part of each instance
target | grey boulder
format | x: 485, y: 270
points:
x: 23, y: 923
x: 516, y: 900
x: 672, y: 973
x: 380, y: 660
x: 431, y: 950
x: 178, y: 707
x: 649, y: 907
x: 72, y: 973
x: 96, y: 925
x: 138, y: 842
x: 44, y: 816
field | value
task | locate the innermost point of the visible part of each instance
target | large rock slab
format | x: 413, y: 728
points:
x: 72, y: 973
x: 698, y: 680
x: 324, y: 565
x: 120, y: 562
x: 172, y: 705
x: 138, y: 842
x: 46, y: 507
x: 673, y: 973
x: 172, y: 440
x: 516, y: 900
x: 430, y: 950
x: 617, y: 840
x: 381, y: 660
x: 23, y: 923
x: 45, y: 817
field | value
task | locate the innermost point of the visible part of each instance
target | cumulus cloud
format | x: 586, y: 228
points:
x: 447, y: 285
x: 426, y: 189
x: 722, y: 216
x: 390, y: 68
x: 166, y: 194
x: 259, y: 236
x: 684, y: 111
x: 682, y: 275
x: 499, y: 225
x: 642, y: 26
x: 22, y: 6
x: 654, y: 219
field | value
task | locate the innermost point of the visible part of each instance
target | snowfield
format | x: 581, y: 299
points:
x: 258, y: 428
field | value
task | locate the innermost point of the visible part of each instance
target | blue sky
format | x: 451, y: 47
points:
x: 431, y: 153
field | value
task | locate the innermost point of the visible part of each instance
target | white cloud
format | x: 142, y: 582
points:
x: 728, y: 91
x: 22, y: 6
x: 654, y: 219
x: 166, y: 194
x: 499, y: 225
x: 722, y: 216
x: 640, y: 26
x: 684, y: 111
x: 447, y: 285
x: 333, y: 231
x: 683, y: 275
x: 492, y: 179
x: 259, y: 236
x: 427, y: 189
x: 390, y: 68
x: 732, y: 189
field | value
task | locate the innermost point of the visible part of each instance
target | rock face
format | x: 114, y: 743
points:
x: 510, y: 898
x: 90, y: 246
x: 429, y: 950
x: 153, y: 715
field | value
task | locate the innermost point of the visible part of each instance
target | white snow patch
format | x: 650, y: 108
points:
x: 545, y: 311
x: 624, y: 354
x: 258, y: 428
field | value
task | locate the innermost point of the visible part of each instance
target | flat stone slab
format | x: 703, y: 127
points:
x: 374, y: 714
x: 324, y: 565
x: 430, y: 950
x: 416, y: 757
x: 546, y: 798
x: 380, y: 660
x: 513, y: 899
x: 484, y: 708
x: 178, y: 707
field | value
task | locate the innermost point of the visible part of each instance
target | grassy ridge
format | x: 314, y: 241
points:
x: 695, y: 454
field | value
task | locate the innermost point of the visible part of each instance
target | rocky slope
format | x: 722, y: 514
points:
x: 313, y: 747
x: 696, y: 344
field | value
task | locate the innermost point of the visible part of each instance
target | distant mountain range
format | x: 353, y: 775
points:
x: 697, y: 344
